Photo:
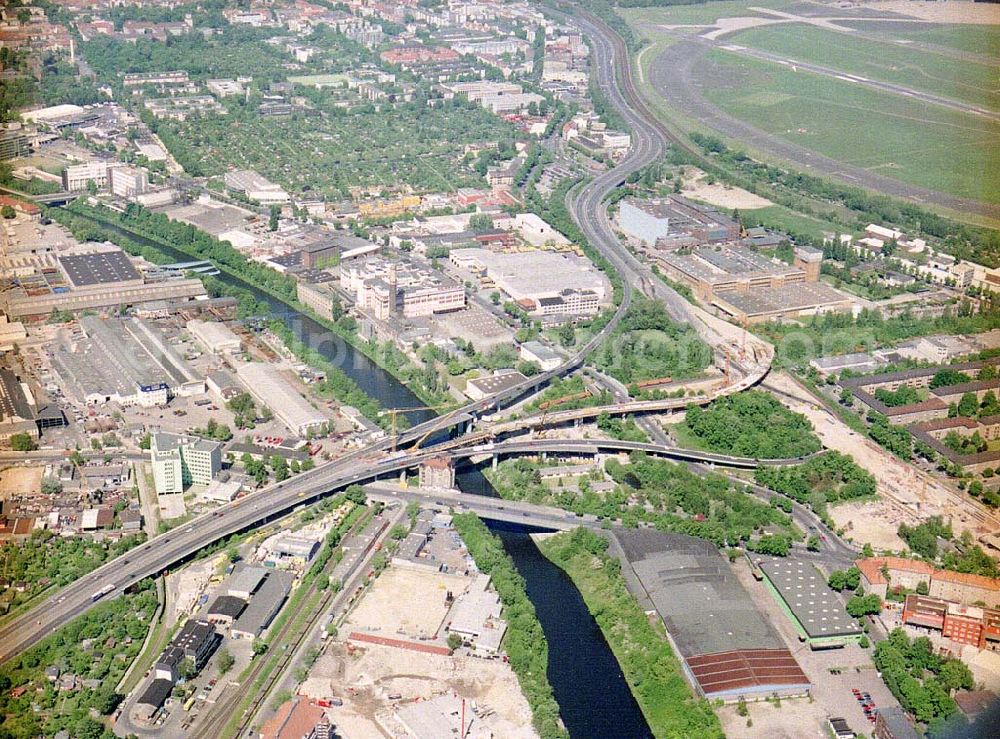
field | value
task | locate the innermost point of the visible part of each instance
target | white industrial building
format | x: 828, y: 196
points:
x: 77, y: 176
x: 128, y: 182
x: 543, y: 356
x: 215, y: 336
x: 179, y: 461
x: 270, y: 388
x: 124, y: 361
x: 541, y: 282
x: 255, y: 187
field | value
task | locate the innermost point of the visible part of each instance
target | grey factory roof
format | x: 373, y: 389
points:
x: 227, y: 605
x: 246, y: 580
x: 13, y: 402
x: 705, y: 608
x: 803, y: 588
x: 497, y: 383
x: 793, y: 297
x: 265, y: 603
x: 98, y: 269
x: 117, y: 357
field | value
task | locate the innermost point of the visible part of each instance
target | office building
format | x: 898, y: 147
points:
x: 196, y: 641
x: 179, y: 461
x: 128, y: 182
x: 77, y: 177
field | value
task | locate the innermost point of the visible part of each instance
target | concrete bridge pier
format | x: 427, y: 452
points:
x: 402, y: 476
x: 493, y: 462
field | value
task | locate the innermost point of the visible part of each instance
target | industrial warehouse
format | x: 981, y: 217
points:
x: 729, y: 649
x: 815, y: 610
x: 126, y: 361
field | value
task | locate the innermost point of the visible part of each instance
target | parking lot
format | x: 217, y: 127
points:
x: 833, y: 673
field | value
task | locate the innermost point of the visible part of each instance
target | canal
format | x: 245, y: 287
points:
x: 594, y: 699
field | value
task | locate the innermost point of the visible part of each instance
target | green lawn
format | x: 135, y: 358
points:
x: 978, y: 39
x: 705, y: 13
x: 937, y: 148
x: 915, y: 68
x: 785, y: 219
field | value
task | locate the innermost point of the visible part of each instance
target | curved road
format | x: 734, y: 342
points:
x: 590, y: 211
x: 673, y: 75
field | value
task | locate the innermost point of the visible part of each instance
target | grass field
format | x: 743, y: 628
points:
x: 979, y: 39
x: 937, y: 148
x: 706, y: 13
x: 785, y: 219
x: 918, y: 69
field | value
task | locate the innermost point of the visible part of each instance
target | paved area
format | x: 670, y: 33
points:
x: 831, y: 693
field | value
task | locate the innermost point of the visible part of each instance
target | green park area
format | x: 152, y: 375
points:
x: 650, y: 667
x: 669, y: 496
x: 916, y: 68
x: 749, y: 424
x: 645, y: 19
x: 925, y: 145
x: 648, y: 345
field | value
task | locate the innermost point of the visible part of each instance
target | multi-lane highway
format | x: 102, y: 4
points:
x: 589, y: 208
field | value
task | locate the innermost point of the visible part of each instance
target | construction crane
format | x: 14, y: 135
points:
x: 393, y: 414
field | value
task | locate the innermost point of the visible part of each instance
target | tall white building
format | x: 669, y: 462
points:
x: 128, y: 182
x: 76, y: 176
x: 179, y: 461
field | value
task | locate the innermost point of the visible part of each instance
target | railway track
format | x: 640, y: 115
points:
x: 289, y: 638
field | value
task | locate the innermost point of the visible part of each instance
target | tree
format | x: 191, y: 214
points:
x: 233, y: 555
x: 7, y: 212
x: 813, y: 544
x: 259, y: 646
x: 864, y: 605
x: 225, y: 662
x: 481, y: 222
x: 968, y: 405
x: 272, y: 222
x: 356, y: 494
x: 22, y: 443
x: 187, y: 668
x: 848, y: 579
x: 955, y: 675
x: 454, y: 641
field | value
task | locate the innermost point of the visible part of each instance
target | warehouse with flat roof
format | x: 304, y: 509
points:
x: 125, y: 361
x: 270, y: 388
x: 728, y: 647
x: 815, y: 609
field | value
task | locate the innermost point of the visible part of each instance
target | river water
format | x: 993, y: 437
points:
x: 594, y: 699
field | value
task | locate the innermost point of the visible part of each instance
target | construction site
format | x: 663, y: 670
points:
x: 392, y: 670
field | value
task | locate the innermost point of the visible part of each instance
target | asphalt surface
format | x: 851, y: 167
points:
x: 674, y: 76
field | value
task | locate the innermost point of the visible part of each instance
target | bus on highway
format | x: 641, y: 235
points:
x: 102, y: 592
